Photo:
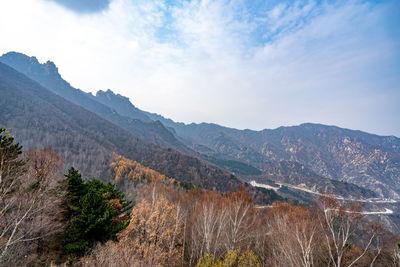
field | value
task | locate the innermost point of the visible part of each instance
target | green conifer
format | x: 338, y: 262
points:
x: 94, y: 212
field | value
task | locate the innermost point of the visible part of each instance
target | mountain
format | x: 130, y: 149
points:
x: 242, y: 151
x: 121, y: 104
x: 249, y: 155
x: 367, y: 160
x: 329, y: 152
x: 220, y: 146
x: 40, y: 118
x: 137, y: 123
x: 273, y: 153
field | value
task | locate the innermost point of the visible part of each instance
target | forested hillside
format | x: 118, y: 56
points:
x: 139, y: 125
x: 215, y: 144
x: 40, y: 118
x: 199, y: 133
x: 261, y: 156
x: 177, y: 210
x: 50, y: 220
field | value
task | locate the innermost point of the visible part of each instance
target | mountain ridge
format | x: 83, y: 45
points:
x: 306, y: 145
x: 284, y: 144
x: 47, y: 75
x: 39, y: 118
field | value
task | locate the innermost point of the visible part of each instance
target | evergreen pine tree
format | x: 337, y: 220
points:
x: 10, y: 164
x: 94, y: 212
x: 74, y: 188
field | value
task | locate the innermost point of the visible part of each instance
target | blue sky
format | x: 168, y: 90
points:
x: 244, y: 64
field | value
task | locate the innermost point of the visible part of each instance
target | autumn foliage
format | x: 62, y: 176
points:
x: 88, y: 223
x: 29, y: 214
x: 134, y: 171
x: 174, y: 227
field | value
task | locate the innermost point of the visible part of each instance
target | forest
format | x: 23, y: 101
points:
x: 51, y: 218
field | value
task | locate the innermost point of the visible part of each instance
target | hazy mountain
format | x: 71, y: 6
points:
x: 234, y: 156
x: 261, y: 156
x: 121, y: 104
x: 39, y: 118
x: 247, y: 152
x: 137, y: 123
x: 367, y: 160
x: 361, y: 158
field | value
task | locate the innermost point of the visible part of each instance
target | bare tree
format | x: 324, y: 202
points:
x: 207, y: 226
x: 294, y: 236
x: 29, y: 204
x: 396, y: 255
x: 261, y: 236
x: 153, y: 237
x: 114, y: 254
x: 240, y: 220
x: 340, y: 222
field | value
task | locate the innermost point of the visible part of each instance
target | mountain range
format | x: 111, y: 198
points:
x: 42, y: 109
x: 39, y: 118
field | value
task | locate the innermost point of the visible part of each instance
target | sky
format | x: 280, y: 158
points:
x: 241, y: 63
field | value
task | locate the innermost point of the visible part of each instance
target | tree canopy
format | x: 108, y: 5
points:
x: 94, y: 212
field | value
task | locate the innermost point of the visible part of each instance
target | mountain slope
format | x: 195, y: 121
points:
x: 121, y: 104
x: 223, y: 147
x: 138, y: 124
x: 239, y: 152
x: 364, y: 159
x: 39, y: 118
x: 367, y: 160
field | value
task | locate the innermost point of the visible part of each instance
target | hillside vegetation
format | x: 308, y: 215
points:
x: 90, y: 223
x: 40, y: 118
x: 91, y: 180
x: 242, y: 153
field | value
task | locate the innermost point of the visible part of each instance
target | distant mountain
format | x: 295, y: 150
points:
x: 121, y: 104
x: 263, y: 149
x: 231, y: 155
x: 243, y: 151
x: 367, y: 160
x: 127, y: 117
x: 250, y: 155
x: 330, y: 152
x: 40, y: 118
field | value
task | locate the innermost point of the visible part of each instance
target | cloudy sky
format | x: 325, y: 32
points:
x: 241, y: 63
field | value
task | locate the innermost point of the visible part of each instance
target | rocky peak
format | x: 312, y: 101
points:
x: 121, y: 104
x: 42, y: 72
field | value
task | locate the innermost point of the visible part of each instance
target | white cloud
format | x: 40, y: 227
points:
x: 198, y: 60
